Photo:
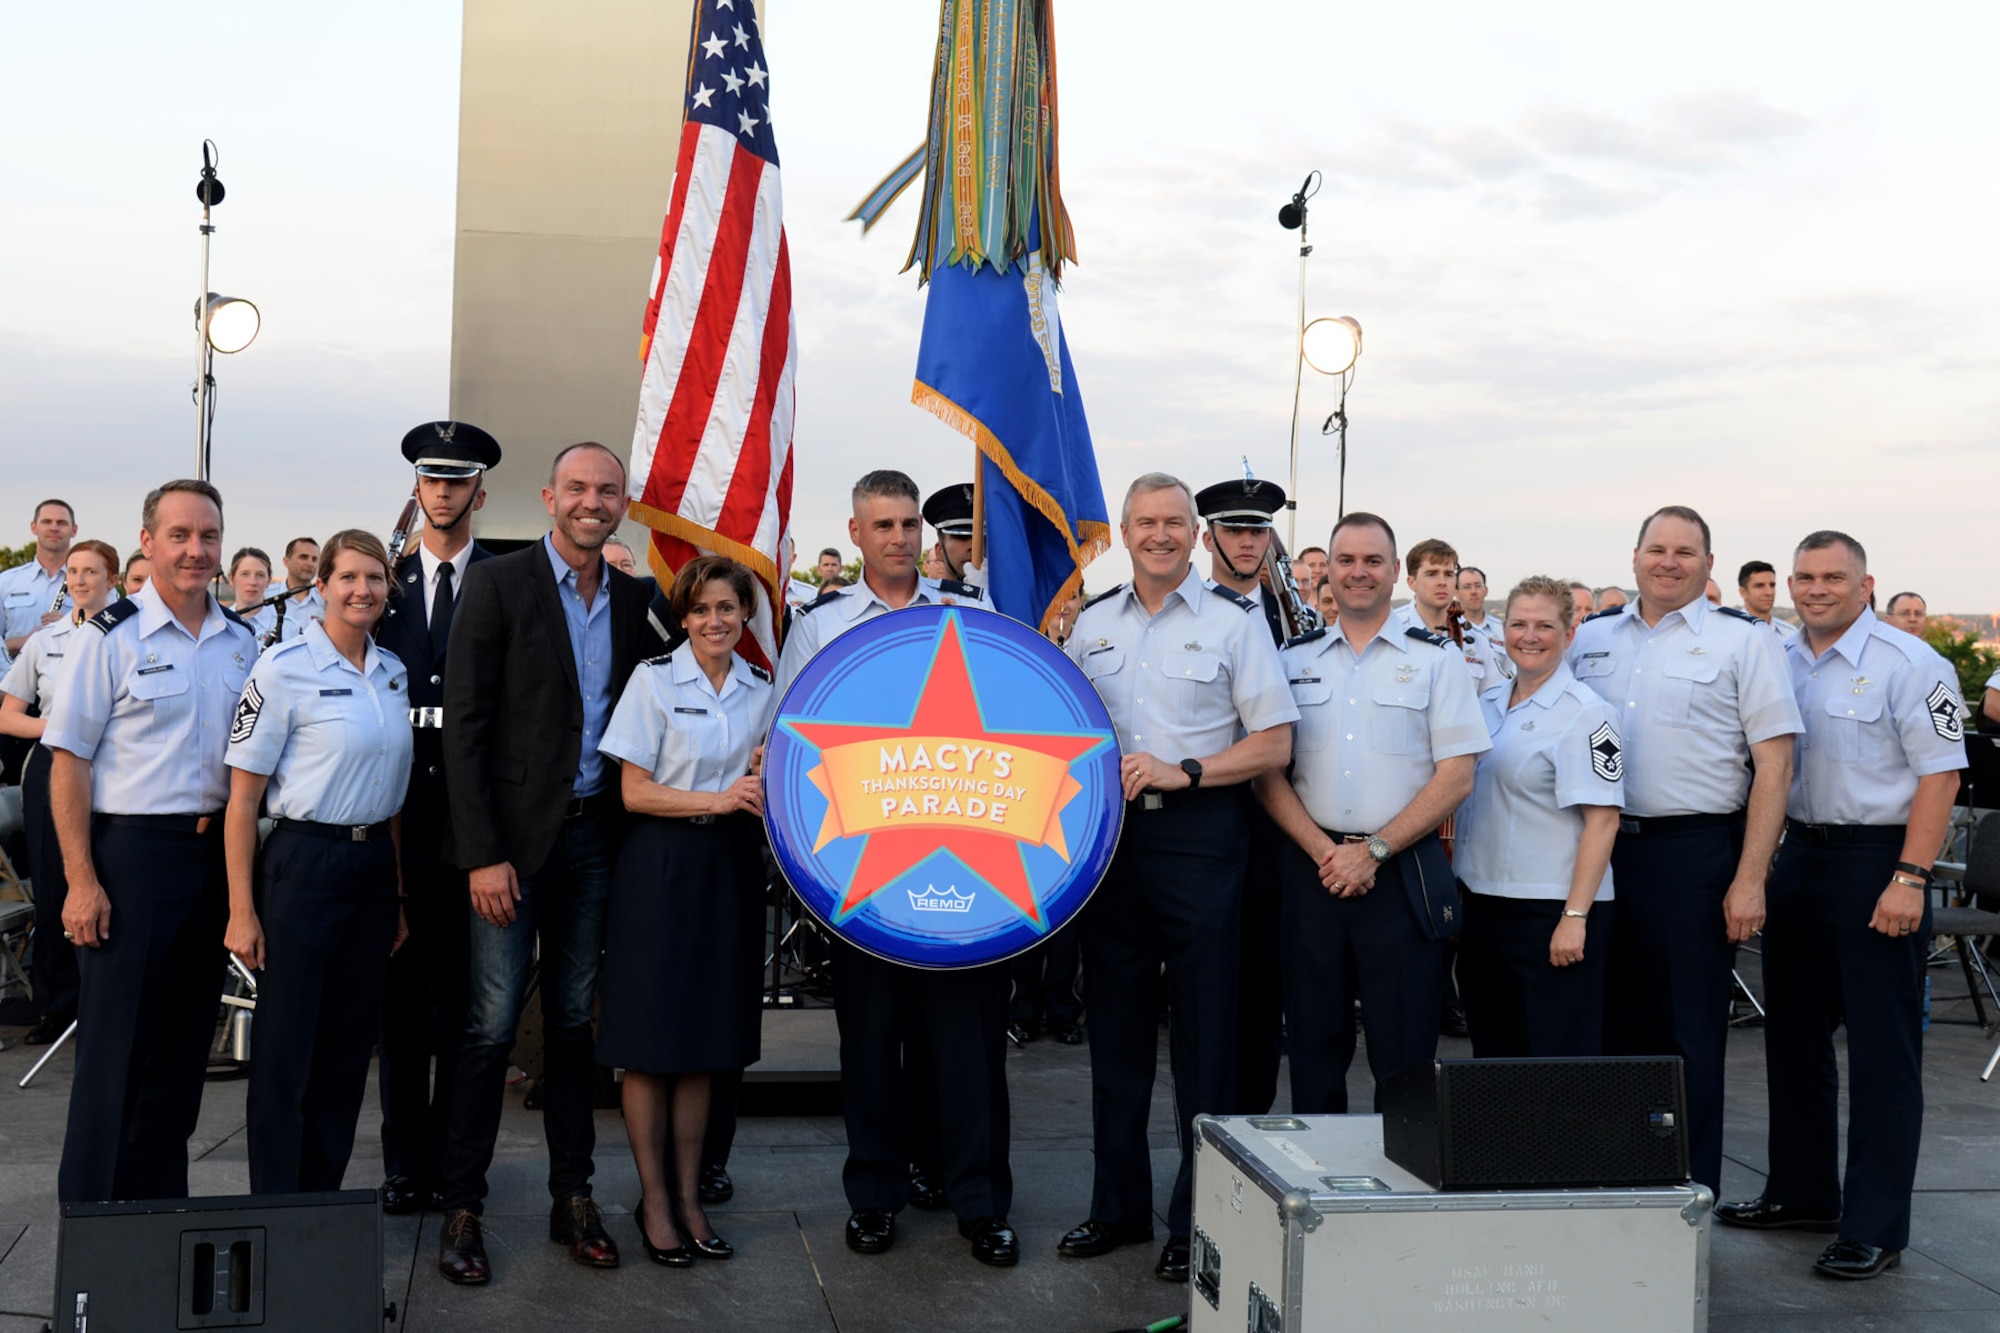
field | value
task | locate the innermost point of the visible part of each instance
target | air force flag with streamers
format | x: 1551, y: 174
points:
x: 994, y: 366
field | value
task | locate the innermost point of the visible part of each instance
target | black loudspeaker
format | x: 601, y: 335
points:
x: 300, y: 1263
x: 1539, y: 1124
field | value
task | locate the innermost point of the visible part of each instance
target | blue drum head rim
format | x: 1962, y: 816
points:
x: 942, y: 787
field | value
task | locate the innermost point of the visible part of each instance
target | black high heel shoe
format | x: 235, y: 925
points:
x: 707, y: 1249
x: 678, y: 1257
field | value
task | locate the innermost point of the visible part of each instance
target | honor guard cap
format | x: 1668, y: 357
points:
x: 1248, y: 503
x: 950, y: 510
x: 450, y: 449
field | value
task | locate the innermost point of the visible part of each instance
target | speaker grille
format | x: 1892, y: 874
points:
x: 1527, y: 1123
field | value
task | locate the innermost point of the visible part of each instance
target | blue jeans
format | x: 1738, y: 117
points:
x: 562, y: 910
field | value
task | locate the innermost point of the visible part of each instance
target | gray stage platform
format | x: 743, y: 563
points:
x: 793, y: 1272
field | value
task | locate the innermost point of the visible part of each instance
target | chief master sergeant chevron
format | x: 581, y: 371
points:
x: 138, y: 785
x: 1184, y: 670
x: 1703, y: 703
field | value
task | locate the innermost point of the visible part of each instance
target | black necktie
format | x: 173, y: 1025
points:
x: 441, y: 611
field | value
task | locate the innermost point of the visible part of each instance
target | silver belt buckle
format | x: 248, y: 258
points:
x: 1152, y: 800
x: 357, y: 833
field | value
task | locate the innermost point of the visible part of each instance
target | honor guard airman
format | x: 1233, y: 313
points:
x: 957, y: 1019
x: 1192, y: 683
x: 1702, y: 703
x: 424, y: 1013
x: 949, y: 512
x: 1239, y: 535
x: 1848, y: 926
x: 1388, y: 737
x: 138, y: 786
x: 320, y: 742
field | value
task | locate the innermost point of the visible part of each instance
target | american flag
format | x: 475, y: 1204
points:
x: 712, y: 451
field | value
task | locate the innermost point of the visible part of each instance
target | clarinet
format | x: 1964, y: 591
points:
x: 62, y: 595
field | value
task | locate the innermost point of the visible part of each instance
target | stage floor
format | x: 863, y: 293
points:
x: 793, y: 1273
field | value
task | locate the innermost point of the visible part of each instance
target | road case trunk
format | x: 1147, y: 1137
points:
x: 1303, y: 1226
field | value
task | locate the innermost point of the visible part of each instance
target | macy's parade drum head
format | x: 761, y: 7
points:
x: 941, y: 787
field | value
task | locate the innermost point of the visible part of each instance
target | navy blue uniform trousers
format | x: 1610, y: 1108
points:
x: 1171, y: 898
x: 1669, y: 986
x: 1337, y: 949
x: 423, y: 1019
x: 56, y: 976
x: 1517, y: 1002
x: 1824, y: 967
x: 1260, y: 1001
x: 960, y: 1017
x: 328, y: 909
x: 146, y: 1011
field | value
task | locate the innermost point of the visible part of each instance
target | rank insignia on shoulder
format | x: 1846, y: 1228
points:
x: 1740, y: 614
x: 1231, y: 595
x: 830, y: 595
x: 1947, y: 716
x: 759, y: 672
x: 1428, y: 636
x: 1310, y: 636
x: 1109, y: 592
x: 661, y: 660
x: 1617, y: 610
x: 247, y: 709
x: 112, y: 616
x: 957, y: 588
x: 230, y: 615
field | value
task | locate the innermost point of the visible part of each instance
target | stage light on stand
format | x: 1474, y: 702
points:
x: 1333, y: 345
x: 230, y: 323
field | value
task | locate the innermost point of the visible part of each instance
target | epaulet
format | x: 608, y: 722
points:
x: 1310, y: 636
x: 661, y: 660
x: 1607, y: 611
x: 759, y: 672
x: 1908, y: 644
x: 830, y: 595
x: 239, y: 620
x: 114, y: 615
x: 1231, y: 595
x: 1742, y: 615
x: 1429, y: 636
x: 1112, y: 592
x: 955, y: 588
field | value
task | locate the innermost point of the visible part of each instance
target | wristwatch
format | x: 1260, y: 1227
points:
x: 1378, y: 849
x: 1192, y: 767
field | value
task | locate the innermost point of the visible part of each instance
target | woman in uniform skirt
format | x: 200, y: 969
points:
x: 88, y: 575
x: 321, y: 742
x: 678, y: 989
x: 1534, y: 845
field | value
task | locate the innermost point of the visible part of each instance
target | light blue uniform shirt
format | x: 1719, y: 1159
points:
x: 812, y: 629
x: 1185, y: 683
x: 262, y: 621
x: 1692, y: 695
x: 1881, y: 710
x: 32, y: 677
x: 148, y: 705
x: 334, y: 741
x: 25, y: 593
x: 1374, y: 722
x: 1553, y: 754
x: 590, y: 648
x: 671, y: 721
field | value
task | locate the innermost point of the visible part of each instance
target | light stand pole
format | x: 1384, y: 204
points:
x: 1292, y: 217
x: 209, y: 190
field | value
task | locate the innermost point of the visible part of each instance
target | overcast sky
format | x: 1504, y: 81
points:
x: 1738, y: 256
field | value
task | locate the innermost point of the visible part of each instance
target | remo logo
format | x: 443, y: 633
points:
x: 941, y: 787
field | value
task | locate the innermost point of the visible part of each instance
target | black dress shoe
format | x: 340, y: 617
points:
x: 1020, y: 1033
x: 48, y: 1028
x: 715, y: 1185
x: 926, y: 1195
x: 1093, y: 1238
x: 1173, y: 1264
x: 1069, y: 1034
x: 400, y: 1196
x: 1759, y: 1215
x: 1855, y: 1260
x: 993, y: 1241
x: 578, y: 1223
x: 678, y: 1257
x: 871, y: 1231
x: 462, y: 1249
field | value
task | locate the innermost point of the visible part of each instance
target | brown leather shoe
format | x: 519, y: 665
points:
x: 577, y: 1223
x: 462, y: 1249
